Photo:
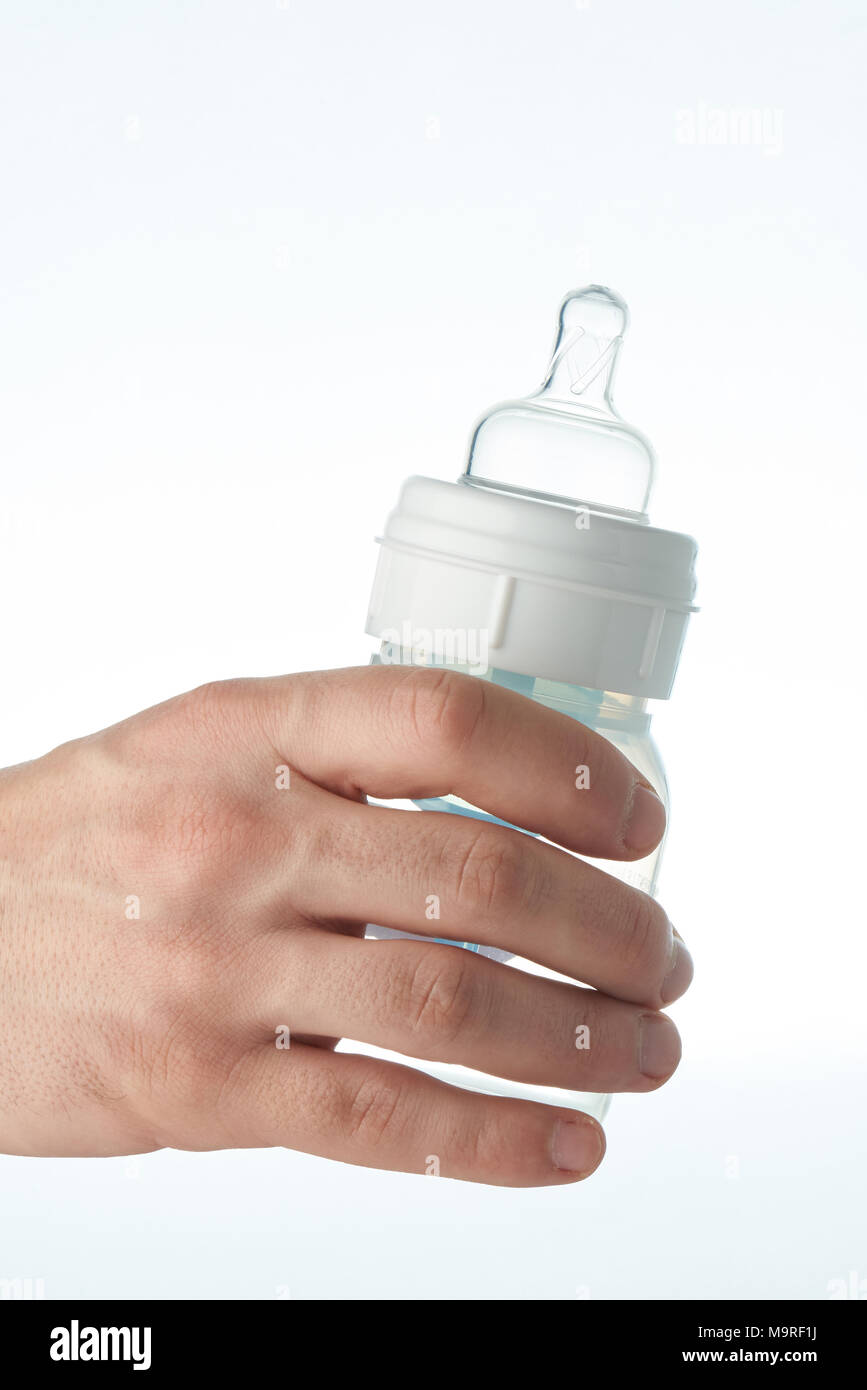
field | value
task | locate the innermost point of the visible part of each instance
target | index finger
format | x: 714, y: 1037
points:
x: 408, y: 731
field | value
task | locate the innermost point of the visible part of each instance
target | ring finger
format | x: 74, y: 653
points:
x: 441, y: 1003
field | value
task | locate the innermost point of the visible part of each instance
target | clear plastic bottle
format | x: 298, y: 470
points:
x: 546, y: 538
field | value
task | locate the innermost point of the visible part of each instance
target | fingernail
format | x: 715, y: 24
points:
x: 658, y: 1046
x: 680, y: 973
x: 646, y: 821
x: 577, y: 1145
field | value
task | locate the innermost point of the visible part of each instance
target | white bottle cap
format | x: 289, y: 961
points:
x: 522, y: 559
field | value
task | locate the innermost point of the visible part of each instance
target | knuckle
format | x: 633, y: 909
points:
x: 235, y: 1094
x: 182, y: 1054
x: 166, y: 730
x: 212, y: 720
x: 313, y: 845
x: 181, y: 811
x: 319, y: 838
x: 372, y: 1110
x: 493, y: 874
x: 644, y: 939
x: 442, y: 996
x: 193, y: 963
x: 179, y: 1015
x: 198, y: 830
x: 442, y: 707
x: 211, y: 706
x: 490, y: 1147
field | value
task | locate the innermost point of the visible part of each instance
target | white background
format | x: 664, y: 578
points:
x: 258, y: 262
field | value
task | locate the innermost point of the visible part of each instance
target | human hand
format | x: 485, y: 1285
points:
x: 169, y: 900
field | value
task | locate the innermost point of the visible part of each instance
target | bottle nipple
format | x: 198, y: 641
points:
x: 566, y: 443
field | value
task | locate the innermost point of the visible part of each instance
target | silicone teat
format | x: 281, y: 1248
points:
x: 565, y: 442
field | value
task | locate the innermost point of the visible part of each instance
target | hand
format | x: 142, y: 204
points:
x: 178, y: 889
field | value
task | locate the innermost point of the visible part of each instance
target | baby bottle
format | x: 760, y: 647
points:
x: 538, y: 570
